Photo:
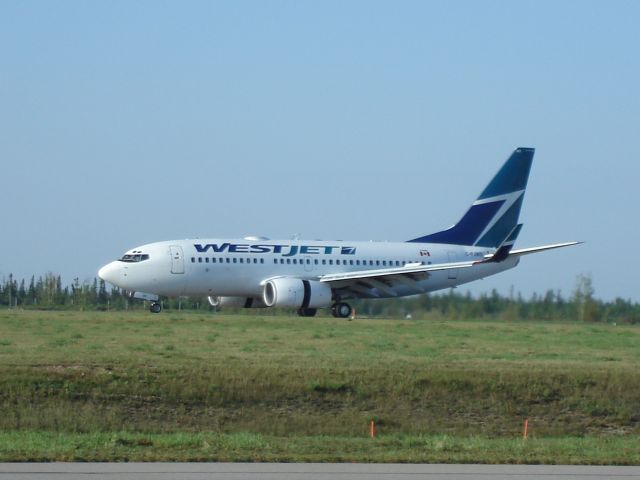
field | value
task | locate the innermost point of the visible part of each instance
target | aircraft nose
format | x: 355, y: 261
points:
x: 109, y: 273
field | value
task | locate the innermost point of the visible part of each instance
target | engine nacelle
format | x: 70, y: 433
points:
x: 236, y: 302
x: 296, y: 293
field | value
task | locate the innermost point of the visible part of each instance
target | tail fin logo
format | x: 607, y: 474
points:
x: 494, y: 215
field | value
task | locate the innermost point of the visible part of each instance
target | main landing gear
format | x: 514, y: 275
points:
x: 338, y: 310
x: 341, y: 310
x: 155, y: 307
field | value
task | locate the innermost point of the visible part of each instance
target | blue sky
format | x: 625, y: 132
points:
x: 123, y: 123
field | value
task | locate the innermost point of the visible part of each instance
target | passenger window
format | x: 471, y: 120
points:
x: 289, y: 261
x: 275, y: 260
x: 235, y: 260
x: 295, y: 261
x: 377, y: 263
x: 228, y: 260
x: 324, y: 262
x: 206, y: 260
x: 262, y: 260
x: 315, y: 260
x: 337, y: 262
x: 193, y: 260
x: 242, y: 260
x: 199, y: 259
x: 384, y: 263
x: 330, y: 262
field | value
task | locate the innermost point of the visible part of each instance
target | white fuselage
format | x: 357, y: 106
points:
x: 240, y: 267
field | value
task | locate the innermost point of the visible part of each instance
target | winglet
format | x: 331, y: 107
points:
x: 503, y: 250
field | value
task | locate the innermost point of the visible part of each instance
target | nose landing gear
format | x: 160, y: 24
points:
x: 156, y: 306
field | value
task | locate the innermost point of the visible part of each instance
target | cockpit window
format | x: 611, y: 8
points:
x: 132, y: 258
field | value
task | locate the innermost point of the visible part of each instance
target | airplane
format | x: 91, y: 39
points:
x: 256, y: 272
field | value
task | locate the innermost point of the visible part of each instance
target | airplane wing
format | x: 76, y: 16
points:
x: 526, y: 251
x: 365, y: 283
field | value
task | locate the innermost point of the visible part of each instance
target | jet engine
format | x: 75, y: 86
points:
x: 236, y: 302
x: 296, y: 293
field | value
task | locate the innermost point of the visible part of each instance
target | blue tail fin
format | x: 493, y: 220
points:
x: 494, y: 215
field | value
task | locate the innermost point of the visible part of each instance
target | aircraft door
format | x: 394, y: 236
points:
x: 177, y: 259
x: 453, y: 272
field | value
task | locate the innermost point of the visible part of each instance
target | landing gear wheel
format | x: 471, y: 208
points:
x: 341, y: 310
x: 307, y: 312
x: 155, y: 308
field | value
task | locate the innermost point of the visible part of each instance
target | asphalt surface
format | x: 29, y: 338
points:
x: 305, y: 471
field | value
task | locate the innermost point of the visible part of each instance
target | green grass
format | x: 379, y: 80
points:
x: 252, y: 447
x: 308, y: 388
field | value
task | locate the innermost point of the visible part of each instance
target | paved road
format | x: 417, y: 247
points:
x: 305, y: 471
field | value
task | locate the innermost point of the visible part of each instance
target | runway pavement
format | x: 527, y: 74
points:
x: 305, y: 471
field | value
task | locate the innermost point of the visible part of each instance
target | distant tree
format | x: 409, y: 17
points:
x: 585, y: 306
x: 12, y: 291
x: 103, y: 297
x: 31, y: 292
x: 582, y: 305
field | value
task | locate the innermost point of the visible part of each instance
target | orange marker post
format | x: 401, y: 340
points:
x: 525, y: 433
x: 372, y: 429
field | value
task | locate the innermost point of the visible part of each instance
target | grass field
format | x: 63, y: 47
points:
x: 136, y: 386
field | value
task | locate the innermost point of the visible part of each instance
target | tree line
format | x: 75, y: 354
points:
x: 48, y: 292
